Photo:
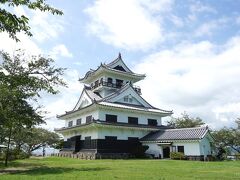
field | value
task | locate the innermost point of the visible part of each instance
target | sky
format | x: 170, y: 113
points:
x: 188, y: 49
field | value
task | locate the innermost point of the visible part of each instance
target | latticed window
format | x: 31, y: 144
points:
x: 70, y: 123
x: 79, y: 121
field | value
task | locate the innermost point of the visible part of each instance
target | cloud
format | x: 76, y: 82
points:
x: 128, y: 24
x: 200, y: 78
x: 60, y: 50
x: 197, y: 8
x: 211, y: 27
x: 45, y: 26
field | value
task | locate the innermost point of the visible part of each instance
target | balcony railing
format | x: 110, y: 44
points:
x: 113, y: 85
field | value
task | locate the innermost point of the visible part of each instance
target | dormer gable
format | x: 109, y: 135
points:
x: 119, y: 65
x: 83, y: 101
x: 127, y: 95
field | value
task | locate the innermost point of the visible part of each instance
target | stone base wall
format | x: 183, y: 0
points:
x: 93, y: 155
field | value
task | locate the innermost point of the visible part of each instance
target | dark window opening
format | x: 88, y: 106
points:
x: 120, y: 68
x: 133, y: 138
x: 109, y: 80
x: 87, y: 142
x: 111, y: 118
x: 111, y: 138
x: 70, y: 124
x: 119, y: 83
x: 132, y: 120
x: 152, y: 122
x: 79, y: 121
x: 88, y: 119
x: 180, y: 149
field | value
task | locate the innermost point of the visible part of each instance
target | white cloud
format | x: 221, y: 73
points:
x: 198, y: 78
x: 128, y: 24
x: 45, y: 26
x: 60, y: 50
x: 209, y: 28
x: 198, y: 7
x: 9, y: 45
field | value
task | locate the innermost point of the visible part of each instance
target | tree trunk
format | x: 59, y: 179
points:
x: 8, y: 146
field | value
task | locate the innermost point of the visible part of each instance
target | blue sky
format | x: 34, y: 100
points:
x: 188, y: 49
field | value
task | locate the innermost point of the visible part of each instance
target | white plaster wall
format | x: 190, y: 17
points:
x: 123, y: 116
x: 84, y: 133
x: 122, y: 134
x: 95, y: 115
x: 190, y: 148
x: 205, y: 147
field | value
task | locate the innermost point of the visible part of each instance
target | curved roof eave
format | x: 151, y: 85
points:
x: 106, y: 67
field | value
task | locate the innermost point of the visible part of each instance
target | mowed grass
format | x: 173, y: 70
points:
x: 67, y: 168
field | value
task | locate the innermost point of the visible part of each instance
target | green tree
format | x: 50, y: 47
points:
x: 22, y: 79
x: 35, y: 138
x: 238, y: 123
x: 185, y: 121
x: 227, y: 137
x: 12, y: 24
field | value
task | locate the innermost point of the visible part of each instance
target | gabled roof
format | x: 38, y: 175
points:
x: 90, y: 95
x: 119, y: 62
x: 111, y: 67
x: 195, y: 133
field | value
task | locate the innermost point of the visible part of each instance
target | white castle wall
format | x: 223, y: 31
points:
x: 122, y: 116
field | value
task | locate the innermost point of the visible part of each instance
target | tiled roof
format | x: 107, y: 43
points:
x: 177, y: 134
x: 92, y: 95
x: 115, y: 124
x: 132, y: 107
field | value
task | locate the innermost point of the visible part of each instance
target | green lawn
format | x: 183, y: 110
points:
x: 66, y: 168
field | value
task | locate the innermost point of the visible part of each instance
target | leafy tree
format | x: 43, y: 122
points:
x: 22, y: 79
x: 12, y: 24
x: 185, y: 121
x: 227, y: 137
x: 238, y: 123
x: 34, y: 138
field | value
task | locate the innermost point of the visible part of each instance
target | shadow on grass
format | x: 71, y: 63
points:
x: 44, y: 170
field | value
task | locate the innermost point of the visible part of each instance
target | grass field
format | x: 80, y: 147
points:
x: 66, y: 168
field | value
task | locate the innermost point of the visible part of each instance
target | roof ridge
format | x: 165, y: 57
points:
x: 200, y: 127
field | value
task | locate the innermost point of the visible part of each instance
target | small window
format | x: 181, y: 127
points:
x: 125, y: 98
x: 111, y: 118
x: 152, y: 122
x: 109, y: 80
x: 70, y: 123
x: 119, y: 83
x: 132, y: 120
x: 79, y: 121
x: 130, y: 100
x: 88, y: 119
x: 181, y: 149
x: 87, y: 142
x: 111, y: 138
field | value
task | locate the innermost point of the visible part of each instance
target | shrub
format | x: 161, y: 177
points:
x: 238, y: 156
x: 14, y: 154
x: 177, y: 155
